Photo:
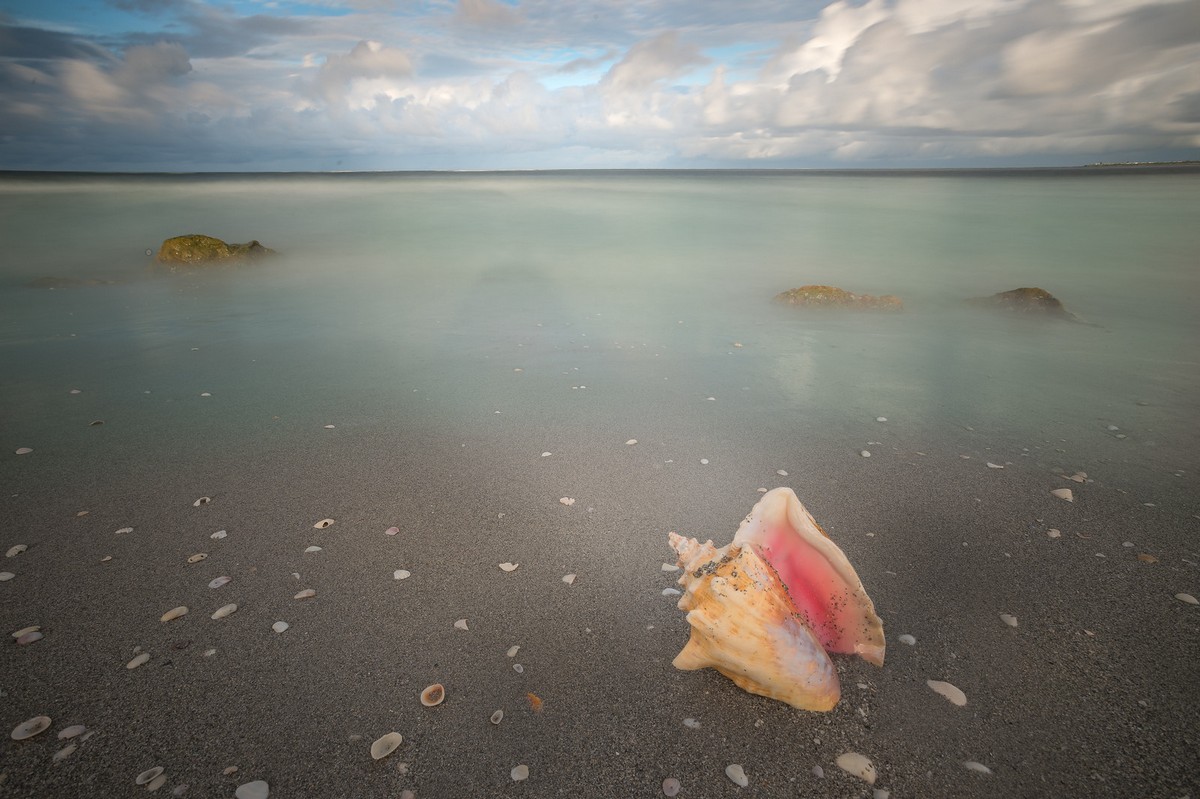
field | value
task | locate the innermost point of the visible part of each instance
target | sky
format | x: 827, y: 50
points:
x: 281, y: 85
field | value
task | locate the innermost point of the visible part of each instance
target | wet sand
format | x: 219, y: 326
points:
x: 1093, y: 693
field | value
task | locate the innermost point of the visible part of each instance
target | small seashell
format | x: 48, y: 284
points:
x: 206, y: 393
x: 199, y: 556
x: 881, y: 418
x: 857, y: 765
x: 520, y: 772
x: 106, y: 559
x: 513, y: 650
x: 26, y: 631
x: 72, y: 731
x: 433, y: 695
x: 691, y: 724
x: 401, y: 574
x: 508, y: 567
x: 908, y: 639
x: 947, y: 690
x: 737, y: 774
x: 704, y: 461
x: 156, y: 783
x: 631, y: 442
x: 568, y: 501
x: 497, y: 717
x: 329, y: 427
x: 1144, y: 558
x: 224, y: 611
x: 138, y: 661
x: 29, y: 638
x: 307, y: 593
x: 219, y: 534
x: 518, y: 668
x: 1063, y: 493
x: 174, y: 613
x: 971, y: 765
x: 16, y: 550
x: 253, y: 790
x: 148, y: 775
x: 865, y: 454
x: 34, y: 726
x: 392, y: 530
x: 123, y: 530
x: 461, y: 624
x: 312, y: 549
x: 96, y: 423
x: 670, y: 787
x: 1188, y: 598
x: 670, y: 592
x: 1053, y: 533
x: 209, y: 652
x: 669, y: 567
x: 1011, y: 621
x: 24, y: 450
x: 280, y: 626
x: 321, y: 525
x: 386, y: 744
x: 65, y: 752
x: 6, y: 576
x: 991, y: 465
x: 569, y: 579
x: 818, y: 772
x: 201, y: 501
x: 219, y: 581
x: 535, y: 702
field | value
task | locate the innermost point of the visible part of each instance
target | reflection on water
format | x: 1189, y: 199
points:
x: 635, y: 286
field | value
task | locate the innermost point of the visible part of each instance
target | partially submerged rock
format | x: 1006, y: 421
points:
x: 196, y: 250
x: 834, y: 297
x: 1030, y: 300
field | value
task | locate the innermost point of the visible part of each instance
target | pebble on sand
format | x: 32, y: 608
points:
x: 309, y: 550
x: 1008, y: 619
x: 509, y: 567
x: 29, y: 638
x: 16, y: 550
x: 223, y: 611
x: 138, y: 661
x: 24, y: 450
x: 1188, y: 598
x: 174, y: 613
x: 307, y: 593
x: 670, y: 787
x: 568, y: 501
x: 737, y: 774
x: 321, y: 525
x: 123, y: 530
x: 1063, y: 493
x: 569, y: 579
x: 1053, y: 533
x: 433, y: 695
x: 199, y: 556
x: 461, y: 624
x: 71, y: 732
x: 201, y: 501
x: 253, y: 790
x: 401, y: 574
x: 392, y: 531
x: 34, y: 726
x: 520, y: 772
x: 148, y: 775
x: 497, y: 717
x: 631, y: 442
x: 949, y: 691
x: 219, y: 534
x: 385, y: 745
x: 857, y: 765
x: 280, y: 626
x: 865, y: 454
x: 971, y: 765
x: 65, y: 752
x: 513, y: 650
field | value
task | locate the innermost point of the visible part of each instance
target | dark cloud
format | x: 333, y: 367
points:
x: 26, y: 43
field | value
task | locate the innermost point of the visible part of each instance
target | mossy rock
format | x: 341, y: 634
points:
x: 834, y: 297
x: 1030, y: 300
x: 196, y: 250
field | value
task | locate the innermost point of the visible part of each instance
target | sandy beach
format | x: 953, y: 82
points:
x: 1092, y: 693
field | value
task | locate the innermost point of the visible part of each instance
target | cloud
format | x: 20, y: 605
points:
x: 357, y: 77
x: 485, y: 14
x: 649, y: 62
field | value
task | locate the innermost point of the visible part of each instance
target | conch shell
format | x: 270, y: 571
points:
x: 767, y: 608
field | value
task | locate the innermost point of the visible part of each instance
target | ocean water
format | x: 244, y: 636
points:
x: 635, y: 287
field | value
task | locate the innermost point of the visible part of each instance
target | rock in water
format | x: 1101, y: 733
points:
x: 834, y: 297
x: 197, y: 250
x: 1033, y: 301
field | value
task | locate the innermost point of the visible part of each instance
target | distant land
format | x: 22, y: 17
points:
x: 1145, y: 163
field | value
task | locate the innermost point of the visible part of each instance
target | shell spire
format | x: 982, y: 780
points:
x: 766, y: 609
